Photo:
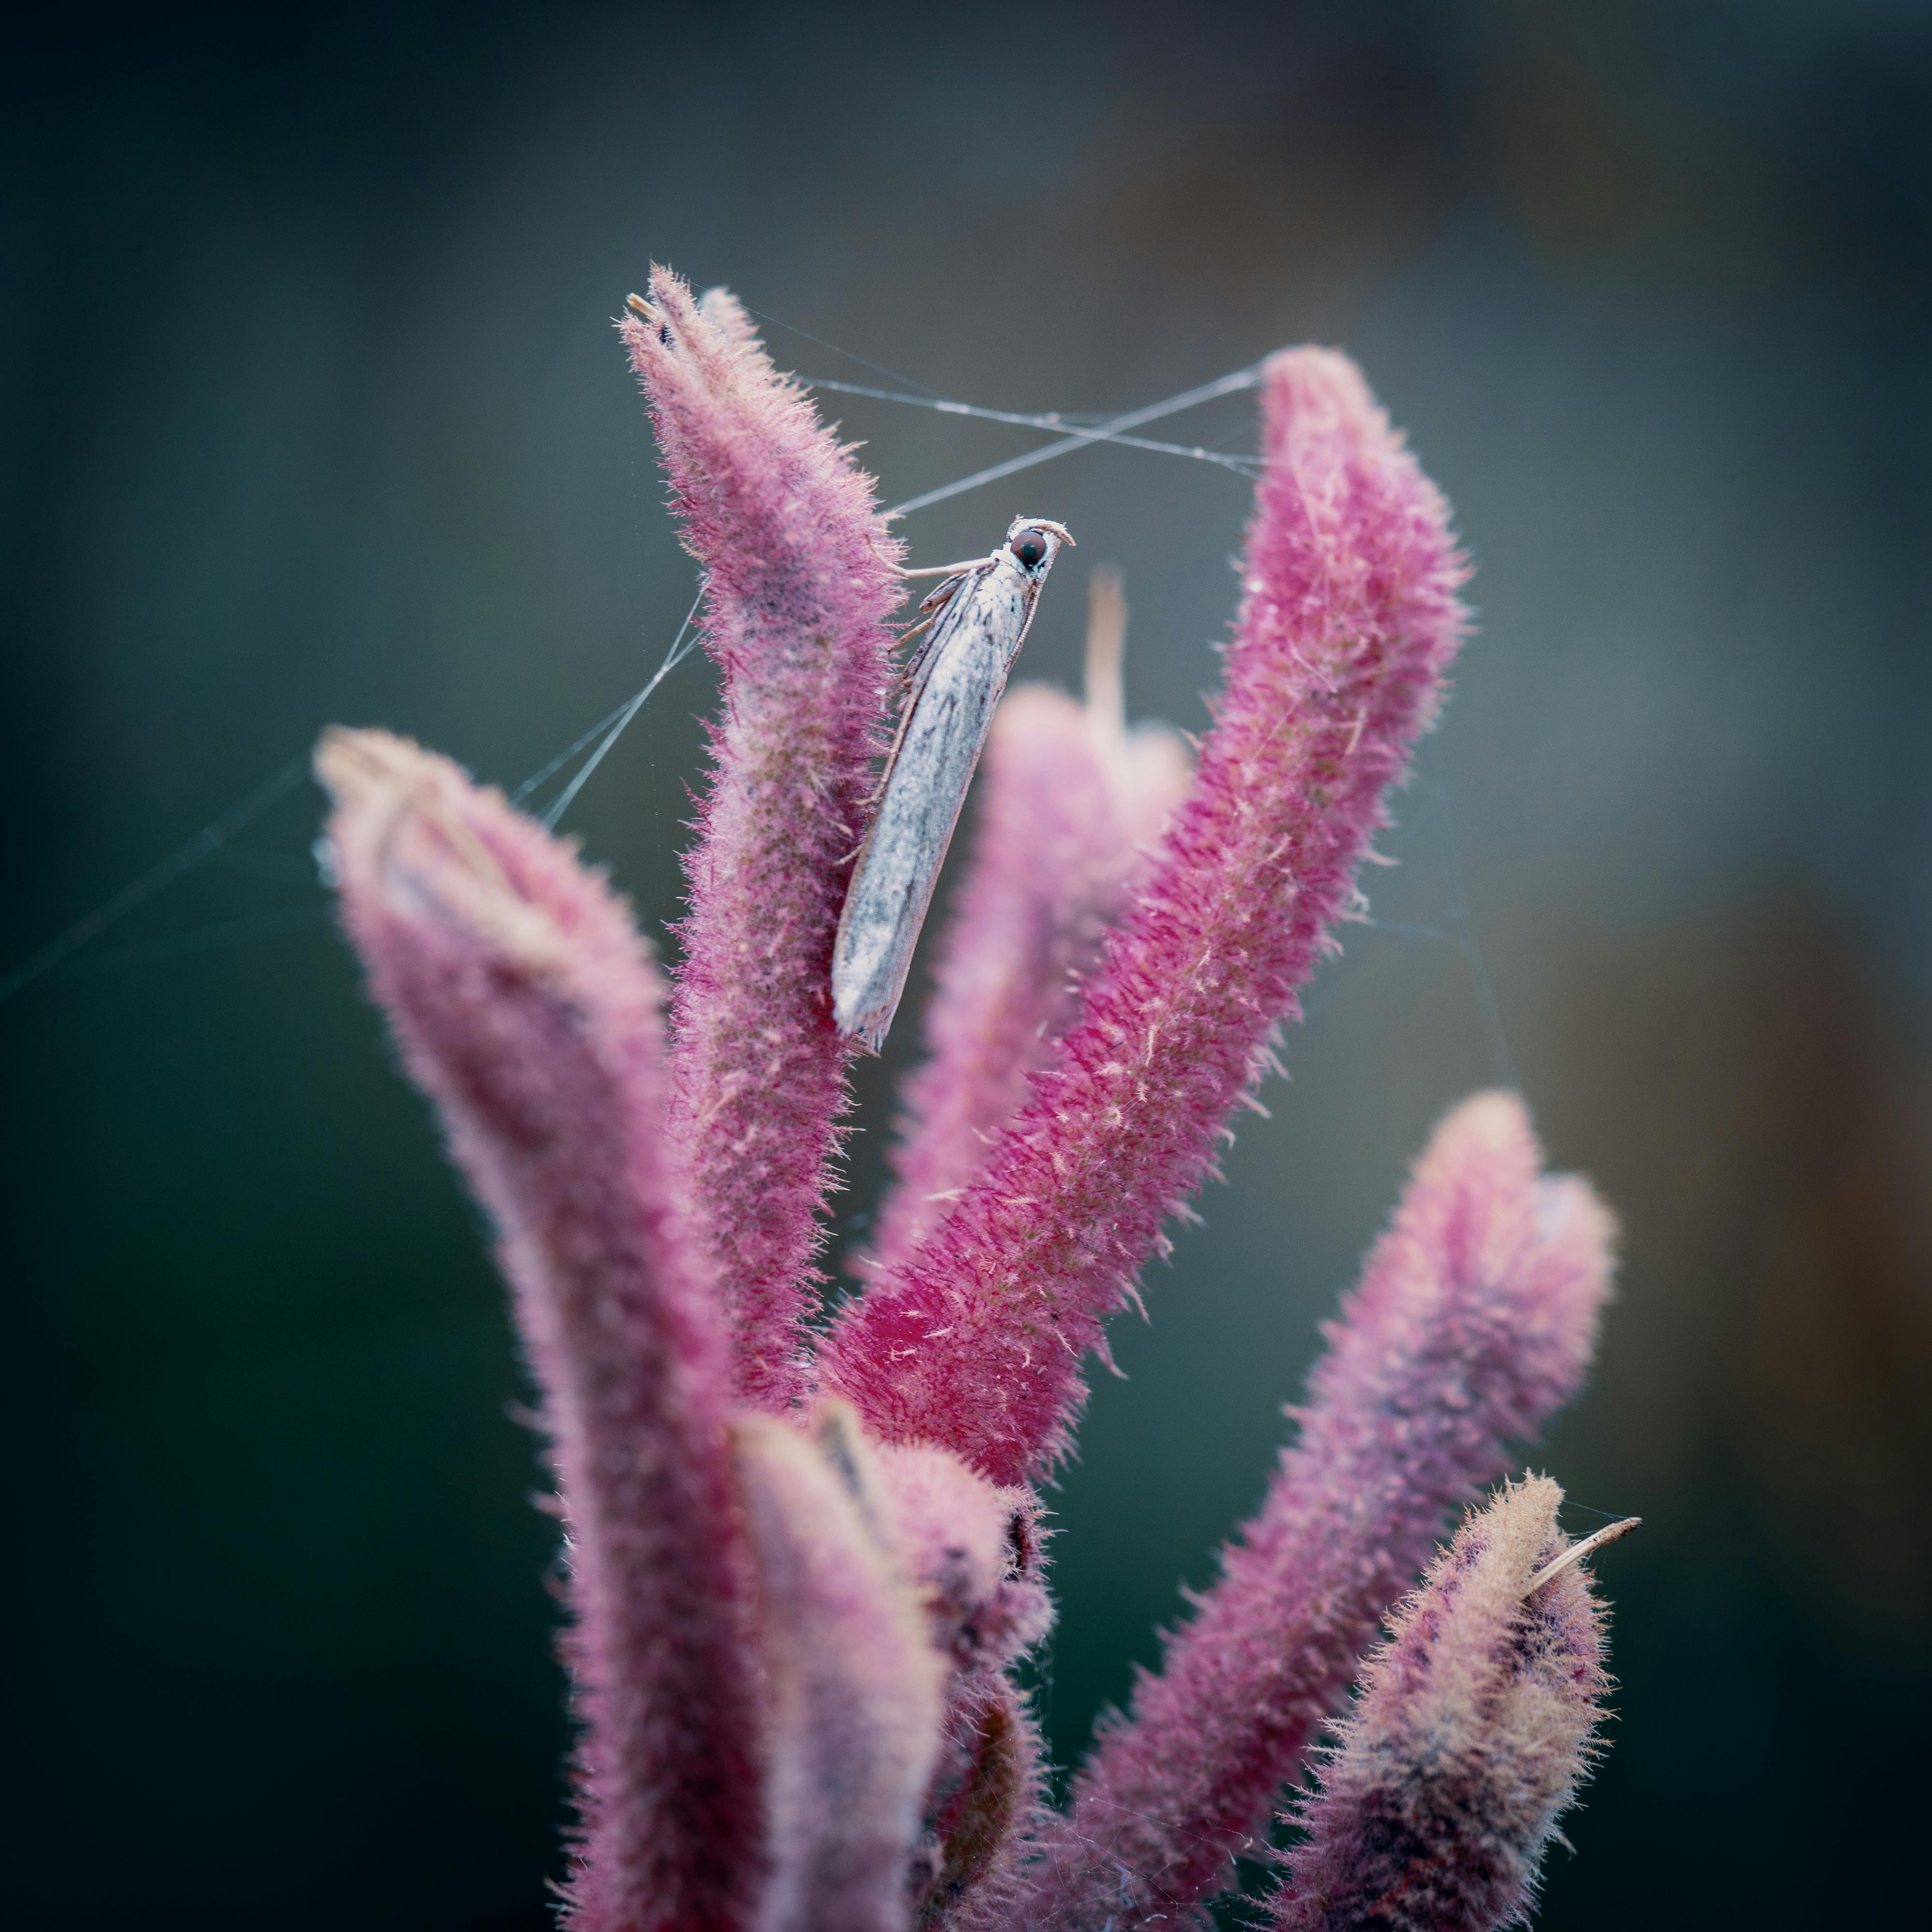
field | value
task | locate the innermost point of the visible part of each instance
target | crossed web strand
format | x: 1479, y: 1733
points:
x: 195, y: 851
x: 209, y: 840
x: 1111, y: 430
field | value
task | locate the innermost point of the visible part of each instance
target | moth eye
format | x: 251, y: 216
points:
x: 1029, y: 546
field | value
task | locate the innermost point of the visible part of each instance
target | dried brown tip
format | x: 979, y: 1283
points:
x: 1577, y: 1552
x: 1106, y: 643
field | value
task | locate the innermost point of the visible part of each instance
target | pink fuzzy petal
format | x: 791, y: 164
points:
x: 853, y: 1683
x: 525, y: 1005
x: 798, y: 588
x: 1347, y: 623
x: 1473, y: 1730
x: 1473, y: 1321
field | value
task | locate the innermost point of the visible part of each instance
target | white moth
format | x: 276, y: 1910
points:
x: 980, y: 616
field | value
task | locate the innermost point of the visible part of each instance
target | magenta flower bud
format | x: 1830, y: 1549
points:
x: 1473, y: 1321
x: 853, y: 1682
x: 799, y: 586
x: 975, y: 1551
x: 523, y: 1003
x: 1349, y: 622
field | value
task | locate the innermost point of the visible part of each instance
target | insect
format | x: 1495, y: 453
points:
x: 978, y: 618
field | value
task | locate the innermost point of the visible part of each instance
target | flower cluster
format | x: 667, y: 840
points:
x: 805, y: 1551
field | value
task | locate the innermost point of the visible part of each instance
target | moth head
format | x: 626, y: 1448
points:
x: 1033, y: 542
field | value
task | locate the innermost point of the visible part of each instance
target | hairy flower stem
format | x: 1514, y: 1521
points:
x: 799, y: 585
x: 523, y: 1003
x: 1349, y: 622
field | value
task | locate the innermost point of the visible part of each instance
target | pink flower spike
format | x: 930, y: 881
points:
x: 1070, y: 805
x: 1349, y: 622
x: 799, y: 585
x: 1473, y: 1730
x: 853, y: 1680
x: 1475, y: 1321
x: 525, y: 1005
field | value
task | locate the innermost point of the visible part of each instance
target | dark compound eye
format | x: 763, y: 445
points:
x: 1029, y: 546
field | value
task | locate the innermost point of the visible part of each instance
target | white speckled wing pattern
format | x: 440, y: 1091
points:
x: 960, y: 675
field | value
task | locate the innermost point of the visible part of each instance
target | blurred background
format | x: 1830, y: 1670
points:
x: 312, y: 412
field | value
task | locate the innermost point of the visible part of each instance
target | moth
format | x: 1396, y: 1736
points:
x: 978, y: 617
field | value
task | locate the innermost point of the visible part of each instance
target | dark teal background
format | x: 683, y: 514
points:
x: 312, y: 411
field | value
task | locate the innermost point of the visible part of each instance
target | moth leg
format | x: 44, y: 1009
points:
x: 912, y: 680
x: 870, y: 802
x: 934, y: 608
x: 940, y: 595
x: 912, y: 631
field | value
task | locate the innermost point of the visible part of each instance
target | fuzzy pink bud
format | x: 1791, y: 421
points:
x: 974, y: 1549
x: 524, y: 1004
x: 1473, y: 1321
x: 853, y: 1681
x: 1472, y: 1732
x: 974, y: 1552
x: 1349, y: 622
x: 799, y: 585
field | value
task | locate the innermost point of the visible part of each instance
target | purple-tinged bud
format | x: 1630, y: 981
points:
x: 1474, y: 1321
x: 1474, y: 1727
x: 1347, y: 624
